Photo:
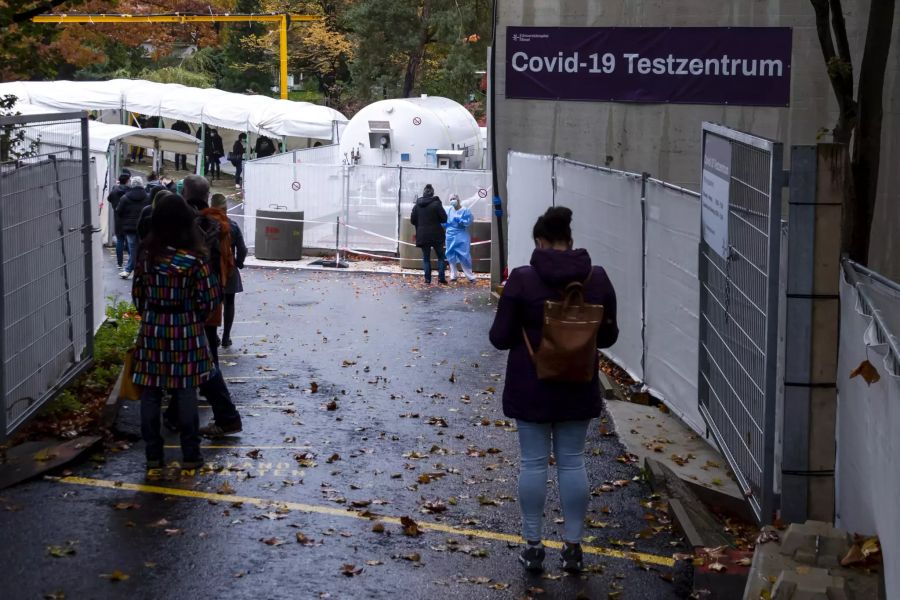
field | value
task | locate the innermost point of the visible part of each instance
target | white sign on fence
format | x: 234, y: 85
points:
x: 714, y: 190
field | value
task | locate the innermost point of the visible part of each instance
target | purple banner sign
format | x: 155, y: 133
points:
x: 688, y: 65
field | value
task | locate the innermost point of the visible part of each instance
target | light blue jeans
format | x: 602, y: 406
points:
x: 567, y: 440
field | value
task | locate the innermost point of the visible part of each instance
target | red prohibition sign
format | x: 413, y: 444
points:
x: 482, y: 193
x: 417, y: 121
x: 296, y: 186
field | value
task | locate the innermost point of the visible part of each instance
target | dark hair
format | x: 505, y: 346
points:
x: 155, y: 192
x: 153, y: 176
x: 243, y: 136
x: 555, y: 225
x: 173, y: 224
x: 124, y: 178
x: 196, y: 190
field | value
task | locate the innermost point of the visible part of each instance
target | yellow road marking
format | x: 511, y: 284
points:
x: 241, y: 447
x: 650, y: 559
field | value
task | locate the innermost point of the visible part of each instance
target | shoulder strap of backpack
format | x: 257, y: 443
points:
x: 528, y: 344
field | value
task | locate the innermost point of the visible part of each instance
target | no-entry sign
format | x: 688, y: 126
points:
x: 688, y: 65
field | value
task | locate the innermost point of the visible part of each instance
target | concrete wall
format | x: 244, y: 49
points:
x: 665, y: 139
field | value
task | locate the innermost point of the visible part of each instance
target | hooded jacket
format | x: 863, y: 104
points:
x: 115, y: 195
x: 131, y: 204
x: 522, y: 307
x: 427, y: 216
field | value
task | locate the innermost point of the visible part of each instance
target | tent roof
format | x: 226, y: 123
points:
x: 101, y: 135
x: 239, y: 112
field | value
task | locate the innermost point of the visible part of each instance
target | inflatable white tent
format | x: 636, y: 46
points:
x: 239, y: 112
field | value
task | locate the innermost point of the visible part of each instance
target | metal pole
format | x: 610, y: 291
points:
x: 87, y: 234
x: 283, y: 55
x: 201, y: 157
x: 644, y: 177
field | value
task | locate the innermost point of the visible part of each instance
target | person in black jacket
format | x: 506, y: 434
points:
x: 115, y: 194
x: 237, y: 152
x: 214, y: 155
x: 264, y: 147
x: 234, y: 285
x: 129, y: 214
x: 427, y: 217
x: 181, y: 159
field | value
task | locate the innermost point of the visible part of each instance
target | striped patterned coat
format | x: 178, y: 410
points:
x: 174, y: 296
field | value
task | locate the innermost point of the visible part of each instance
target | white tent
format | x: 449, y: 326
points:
x: 239, y: 112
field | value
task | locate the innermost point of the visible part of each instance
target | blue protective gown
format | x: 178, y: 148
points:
x: 458, y: 239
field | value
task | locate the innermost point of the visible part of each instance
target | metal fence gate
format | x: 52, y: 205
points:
x: 46, y: 285
x: 739, y: 283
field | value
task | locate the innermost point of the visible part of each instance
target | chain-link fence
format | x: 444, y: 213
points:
x: 46, y: 304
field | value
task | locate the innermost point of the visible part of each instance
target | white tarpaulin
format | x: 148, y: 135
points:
x: 867, y: 481
x: 607, y: 222
x: 529, y: 186
x: 673, y: 299
x: 239, y: 112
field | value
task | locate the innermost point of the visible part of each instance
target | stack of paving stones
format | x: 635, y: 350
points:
x: 806, y: 565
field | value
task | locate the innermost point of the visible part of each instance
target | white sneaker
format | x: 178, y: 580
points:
x: 125, y: 275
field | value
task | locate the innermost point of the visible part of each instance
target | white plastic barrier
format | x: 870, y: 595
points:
x: 654, y: 270
x: 474, y: 188
x: 607, y: 222
x: 530, y: 192
x: 672, y: 298
x: 370, y: 200
x: 373, y: 203
x: 867, y: 480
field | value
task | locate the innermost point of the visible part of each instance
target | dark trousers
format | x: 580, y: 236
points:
x: 181, y: 162
x: 121, y: 244
x: 426, y: 262
x: 238, y: 172
x: 132, y: 240
x: 213, y: 167
x: 228, y: 316
x: 185, y: 401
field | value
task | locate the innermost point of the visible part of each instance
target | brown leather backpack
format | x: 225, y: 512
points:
x: 568, y: 350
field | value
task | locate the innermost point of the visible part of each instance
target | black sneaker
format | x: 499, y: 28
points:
x: 532, y: 558
x: 155, y: 463
x: 572, y: 558
x: 192, y: 464
x: 215, y: 431
x: 226, y: 342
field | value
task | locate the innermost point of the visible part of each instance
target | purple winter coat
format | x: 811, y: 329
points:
x: 522, y: 305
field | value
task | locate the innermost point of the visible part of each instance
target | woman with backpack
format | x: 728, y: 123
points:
x: 553, y: 316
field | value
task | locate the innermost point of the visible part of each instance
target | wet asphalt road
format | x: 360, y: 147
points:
x: 384, y: 433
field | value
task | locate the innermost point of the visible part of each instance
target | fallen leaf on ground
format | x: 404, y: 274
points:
x: 378, y: 528
x: 61, y: 551
x: 127, y: 506
x: 303, y: 540
x: 115, y: 576
x: 225, y: 489
x: 350, y: 570
x: 272, y: 541
x: 410, y: 527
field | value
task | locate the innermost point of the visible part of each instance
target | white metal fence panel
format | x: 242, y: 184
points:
x: 737, y: 382
x: 529, y: 188
x: 867, y: 480
x: 320, y: 155
x: 608, y: 223
x: 320, y: 192
x: 672, y: 298
x: 46, y: 266
x: 265, y: 184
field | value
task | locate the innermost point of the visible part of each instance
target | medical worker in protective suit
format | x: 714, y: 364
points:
x: 459, y: 219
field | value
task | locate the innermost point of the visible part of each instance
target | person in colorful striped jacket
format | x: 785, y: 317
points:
x: 175, y: 291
